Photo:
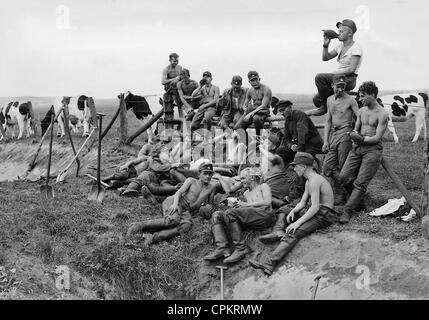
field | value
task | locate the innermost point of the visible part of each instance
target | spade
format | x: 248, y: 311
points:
x: 97, y: 191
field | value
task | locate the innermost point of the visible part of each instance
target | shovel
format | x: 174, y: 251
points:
x: 46, y: 191
x: 62, y: 174
x: 97, y: 191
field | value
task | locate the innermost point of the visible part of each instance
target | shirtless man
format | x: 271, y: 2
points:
x: 178, y: 209
x: 209, y: 97
x: 255, y: 213
x: 233, y: 103
x: 303, y: 222
x: 365, y: 157
x: 349, y: 55
x: 257, y: 104
x: 339, y: 121
x: 170, y: 77
x: 185, y: 87
x: 268, y: 150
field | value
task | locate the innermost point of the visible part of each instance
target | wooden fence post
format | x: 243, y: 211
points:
x: 123, y: 120
x: 425, y: 204
x: 3, y: 133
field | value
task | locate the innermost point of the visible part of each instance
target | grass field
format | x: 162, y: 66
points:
x: 36, y: 236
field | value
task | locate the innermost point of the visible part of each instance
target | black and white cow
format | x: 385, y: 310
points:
x: 142, y: 107
x: 81, y: 113
x: 402, y: 107
x: 20, y: 114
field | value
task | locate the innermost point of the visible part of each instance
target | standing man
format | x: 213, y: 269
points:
x: 170, y: 77
x: 349, y: 58
x: 257, y: 104
x: 302, y: 222
x: 185, y: 87
x: 233, y: 103
x: 365, y: 157
x: 209, y: 94
x: 339, y: 121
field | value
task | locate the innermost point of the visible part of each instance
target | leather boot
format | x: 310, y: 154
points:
x: 278, y: 230
x: 177, y: 176
x: 115, y: 184
x: 340, y: 196
x: 352, y: 203
x: 237, y: 238
x: 148, y: 195
x: 132, y: 190
x: 161, y: 190
x: 221, y: 243
x: 267, y: 266
x: 146, y: 225
x: 160, y: 236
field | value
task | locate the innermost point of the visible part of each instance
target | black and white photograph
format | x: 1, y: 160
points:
x: 230, y: 153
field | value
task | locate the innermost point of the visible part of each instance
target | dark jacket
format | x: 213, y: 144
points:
x: 300, y: 130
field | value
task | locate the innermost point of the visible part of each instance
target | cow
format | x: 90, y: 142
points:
x: 18, y: 113
x: 402, y: 107
x: 141, y: 107
x: 81, y: 113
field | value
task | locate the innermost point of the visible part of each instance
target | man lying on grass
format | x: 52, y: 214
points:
x: 302, y: 222
x: 133, y: 167
x: 178, y: 209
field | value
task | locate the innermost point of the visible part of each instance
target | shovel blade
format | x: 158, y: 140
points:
x: 46, y: 192
x: 96, y: 194
x: 61, y: 176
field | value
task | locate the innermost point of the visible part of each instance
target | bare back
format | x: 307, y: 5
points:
x: 319, y: 184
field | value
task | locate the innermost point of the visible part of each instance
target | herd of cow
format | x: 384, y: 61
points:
x: 400, y: 107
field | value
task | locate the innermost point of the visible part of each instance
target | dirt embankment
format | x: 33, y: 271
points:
x: 352, y: 265
x: 15, y: 158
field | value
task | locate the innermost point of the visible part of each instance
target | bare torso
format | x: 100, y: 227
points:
x: 257, y: 95
x: 341, y: 110
x: 370, y: 119
x: 197, y: 192
x: 256, y: 194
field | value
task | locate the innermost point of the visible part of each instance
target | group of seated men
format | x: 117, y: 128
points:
x: 239, y: 106
x: 236, y: 194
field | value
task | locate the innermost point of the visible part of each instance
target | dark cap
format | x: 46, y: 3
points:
x: 252, y: 75
x: 284, y: 104
x: 237, y: 80
x: 274, y: 140
x: 174, y: 55
x: 206, y: 167
x: 207, y: 74
x: 339, y: 79
x: 303, y: 158
x: 347, y: 23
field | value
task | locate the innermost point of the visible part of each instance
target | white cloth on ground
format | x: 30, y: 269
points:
x: 391, y: 206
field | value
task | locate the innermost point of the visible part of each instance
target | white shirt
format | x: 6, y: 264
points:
x: 345, y: 60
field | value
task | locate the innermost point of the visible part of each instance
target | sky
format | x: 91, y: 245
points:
x: 103, y: 47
